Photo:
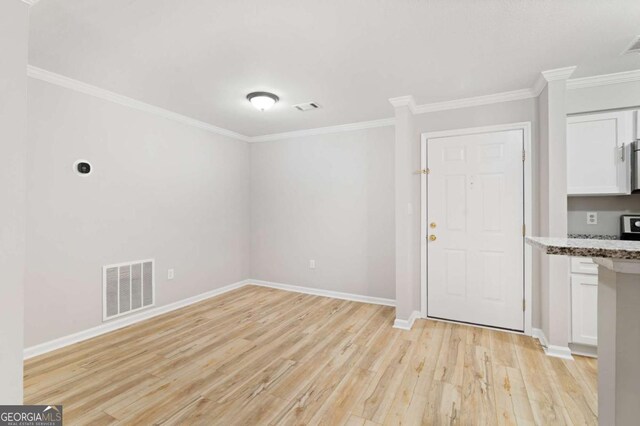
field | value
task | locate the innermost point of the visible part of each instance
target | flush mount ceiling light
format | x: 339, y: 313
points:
x: 262, y: 100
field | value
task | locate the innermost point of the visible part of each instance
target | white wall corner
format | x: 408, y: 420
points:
x: 551, y: 350
x: 558, y: 73
x: 408, y: 323
x: 30, y: 2
x: 401, y: 101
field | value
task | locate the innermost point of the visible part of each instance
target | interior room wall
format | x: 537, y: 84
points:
x: 488, y: 115
x: 159, y: 189
x: 328, y: 198
x: 14, y: 21
x: 600, y: 98
x: 609, y: 210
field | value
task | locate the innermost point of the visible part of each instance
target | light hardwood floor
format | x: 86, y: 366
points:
x: 264, y: 356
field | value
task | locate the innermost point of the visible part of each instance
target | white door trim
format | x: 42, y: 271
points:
x: 528, y: 208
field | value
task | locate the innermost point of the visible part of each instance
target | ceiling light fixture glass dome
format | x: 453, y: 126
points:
x: 262, y: 100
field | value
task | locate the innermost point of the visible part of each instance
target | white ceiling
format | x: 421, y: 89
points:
x: 201, y: 57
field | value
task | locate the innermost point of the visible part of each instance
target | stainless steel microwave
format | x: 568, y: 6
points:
x: 635, y: 167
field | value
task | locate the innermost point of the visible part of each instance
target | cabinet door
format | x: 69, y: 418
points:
x: 597, y: 161
x: 584, y: 265
x: 584, y: 309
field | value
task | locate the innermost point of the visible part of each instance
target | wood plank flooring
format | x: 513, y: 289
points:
x: 258, y: 356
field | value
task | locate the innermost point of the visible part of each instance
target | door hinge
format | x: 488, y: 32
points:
x: 524, y: 155
x: 524, y: 230
x: 524, y: 305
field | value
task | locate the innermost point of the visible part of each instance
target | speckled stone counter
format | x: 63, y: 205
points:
x: 609, y: 249
x: 593, y: 237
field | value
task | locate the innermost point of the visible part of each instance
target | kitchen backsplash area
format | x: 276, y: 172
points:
x: 607, y: 210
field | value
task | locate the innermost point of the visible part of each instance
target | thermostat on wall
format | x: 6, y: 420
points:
x: 82, y: 167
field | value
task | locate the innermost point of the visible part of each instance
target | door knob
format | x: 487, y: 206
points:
x: 432, y: 237
x: 432, y: 225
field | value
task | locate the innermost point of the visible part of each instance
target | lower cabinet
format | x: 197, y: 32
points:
x: 584, y: 301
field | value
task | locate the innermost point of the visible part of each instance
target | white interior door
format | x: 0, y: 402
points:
x: 475, y: 212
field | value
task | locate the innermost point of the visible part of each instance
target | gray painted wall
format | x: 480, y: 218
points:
x: 159, y: 189
x: 329, y: 198
x: 14, y: 21
x: 609, y: 210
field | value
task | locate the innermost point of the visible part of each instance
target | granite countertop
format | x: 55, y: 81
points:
x: 593, y: 237
x: 611, y: 249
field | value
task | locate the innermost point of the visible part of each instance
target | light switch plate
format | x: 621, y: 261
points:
x: 592, y: 218
x: 170, y: 274
x: 312, y: 264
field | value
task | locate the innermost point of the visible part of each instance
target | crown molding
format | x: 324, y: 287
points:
x: 558, y: 73
x: 325, y: 130
x: 88, y: 89
x: 539, y: 85
x: 604, y: 80
x: 401, y: 101
x: 514, y: 95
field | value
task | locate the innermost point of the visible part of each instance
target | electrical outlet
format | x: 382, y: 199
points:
x: 312, y: 264
x: 592, y: 218
x: 170, y: 274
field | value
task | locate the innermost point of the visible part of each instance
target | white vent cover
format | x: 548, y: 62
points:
x: 127, y: 287
x: 308, y: 106
x: 634, y: 47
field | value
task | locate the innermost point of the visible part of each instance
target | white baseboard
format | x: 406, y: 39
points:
x: 584, y: 350
x: 551, y: 350
x: 539, y: 334
x: 106, y: 327
x: 326, y: 293
x: 408, y: 323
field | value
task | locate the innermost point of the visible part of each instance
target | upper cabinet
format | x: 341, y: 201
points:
x: 598, y: 154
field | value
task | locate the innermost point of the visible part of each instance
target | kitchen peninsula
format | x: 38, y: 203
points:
x: 618, y: 321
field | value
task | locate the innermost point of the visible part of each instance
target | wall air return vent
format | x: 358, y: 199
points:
x: 308, y: 106
x: 127, y: 287
x: 634, y: 47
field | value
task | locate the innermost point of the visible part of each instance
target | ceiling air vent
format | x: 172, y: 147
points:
x: 308, y: 106
x: 634, y: 47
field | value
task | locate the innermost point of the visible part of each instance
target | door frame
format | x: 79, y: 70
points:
x: 528, y: 208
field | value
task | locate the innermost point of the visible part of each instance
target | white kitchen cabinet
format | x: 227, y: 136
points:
x: 584, y: 301
x: 598, y: 160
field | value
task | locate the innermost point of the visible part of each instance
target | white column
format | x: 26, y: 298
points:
x: 406, y: 207
x: 554, y: 277
x: 618, y: 342
x: 14, y: 16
